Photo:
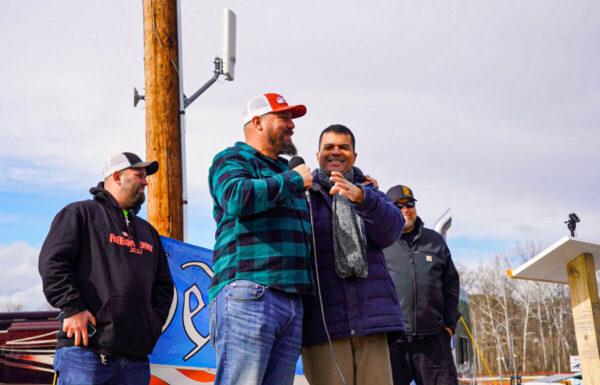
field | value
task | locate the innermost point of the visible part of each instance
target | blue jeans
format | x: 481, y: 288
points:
x: 78, y: 366
x: 257, y: 334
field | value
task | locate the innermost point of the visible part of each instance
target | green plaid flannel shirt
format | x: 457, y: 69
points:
x: 263, y: 225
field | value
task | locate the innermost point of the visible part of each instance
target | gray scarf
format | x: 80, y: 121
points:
x: 349, y: 243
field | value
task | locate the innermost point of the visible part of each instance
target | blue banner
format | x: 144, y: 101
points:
x: 185, y: 341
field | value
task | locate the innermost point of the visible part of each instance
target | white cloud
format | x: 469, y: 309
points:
x: 21, y: 283
x: 489, y: 108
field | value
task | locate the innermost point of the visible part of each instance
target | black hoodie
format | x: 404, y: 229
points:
x: 96, y: 259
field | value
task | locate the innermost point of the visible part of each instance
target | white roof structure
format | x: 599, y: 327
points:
x: 550, y: 264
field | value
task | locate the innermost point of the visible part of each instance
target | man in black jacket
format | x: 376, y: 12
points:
x: 107, y: 271
x: 428, y: 288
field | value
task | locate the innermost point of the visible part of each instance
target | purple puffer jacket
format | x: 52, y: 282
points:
x: 354, y: 306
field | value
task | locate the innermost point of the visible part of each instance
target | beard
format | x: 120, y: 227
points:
x: 134, y: 195
x: 288, y: 149
x: 138, y: 199
x: 278, y: 142
x: 409, y: 224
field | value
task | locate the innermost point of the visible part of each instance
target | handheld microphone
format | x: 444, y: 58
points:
x: 294, y: 162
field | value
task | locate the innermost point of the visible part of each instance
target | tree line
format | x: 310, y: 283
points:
x: 520, y: 326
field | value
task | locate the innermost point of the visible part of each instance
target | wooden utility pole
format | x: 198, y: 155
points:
x: 163, y: 130
x: 586, y: 315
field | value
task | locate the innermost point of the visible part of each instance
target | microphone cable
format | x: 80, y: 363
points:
x: 319, y: 293
x: 294, y: 162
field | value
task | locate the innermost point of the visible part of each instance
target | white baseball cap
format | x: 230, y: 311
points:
x: 271, y: 102
x: 123, y: 160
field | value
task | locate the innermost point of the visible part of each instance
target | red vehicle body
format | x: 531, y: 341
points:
x: 27, y: 343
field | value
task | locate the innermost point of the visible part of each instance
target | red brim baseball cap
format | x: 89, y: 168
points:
x: 271, y: 102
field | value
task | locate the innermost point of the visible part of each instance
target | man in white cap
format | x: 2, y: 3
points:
x: 261, y: 254
x: 106, y: 270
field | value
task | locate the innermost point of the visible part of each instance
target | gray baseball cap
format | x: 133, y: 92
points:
x: 123, y: 160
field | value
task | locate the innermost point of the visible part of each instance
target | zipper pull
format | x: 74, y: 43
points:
x: 103, y: 359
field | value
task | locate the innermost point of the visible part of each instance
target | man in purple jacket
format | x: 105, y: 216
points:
x: 353, y: 223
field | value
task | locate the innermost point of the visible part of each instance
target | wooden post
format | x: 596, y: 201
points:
x: 586, y: 315
x: 163, y: 131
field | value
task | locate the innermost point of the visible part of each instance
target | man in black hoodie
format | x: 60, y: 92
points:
x: 428, y: 288
x: 107, y: 271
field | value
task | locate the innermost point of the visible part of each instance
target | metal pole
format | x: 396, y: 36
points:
x: 217, y: 71
x: 184, y: 196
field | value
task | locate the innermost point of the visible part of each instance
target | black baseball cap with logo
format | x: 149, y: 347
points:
x: 400, y: 192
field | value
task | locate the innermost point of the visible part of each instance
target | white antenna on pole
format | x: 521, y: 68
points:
x: 223, y: 66
x: 229, y: 36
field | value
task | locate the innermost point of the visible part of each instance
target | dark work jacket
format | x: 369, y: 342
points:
x: 93, y: 260
x: 426, y: 280
x: 354, y: 306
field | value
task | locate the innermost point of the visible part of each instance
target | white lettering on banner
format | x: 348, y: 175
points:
x: 188, y: 314
x: 171, y: 310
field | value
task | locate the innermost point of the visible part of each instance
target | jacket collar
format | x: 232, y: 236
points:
x: 317, y: 188
x: 359, y: 176
x: 415, y: 234
x: 257, y: 154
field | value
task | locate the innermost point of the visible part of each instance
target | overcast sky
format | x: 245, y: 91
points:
x: 490, y: 108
